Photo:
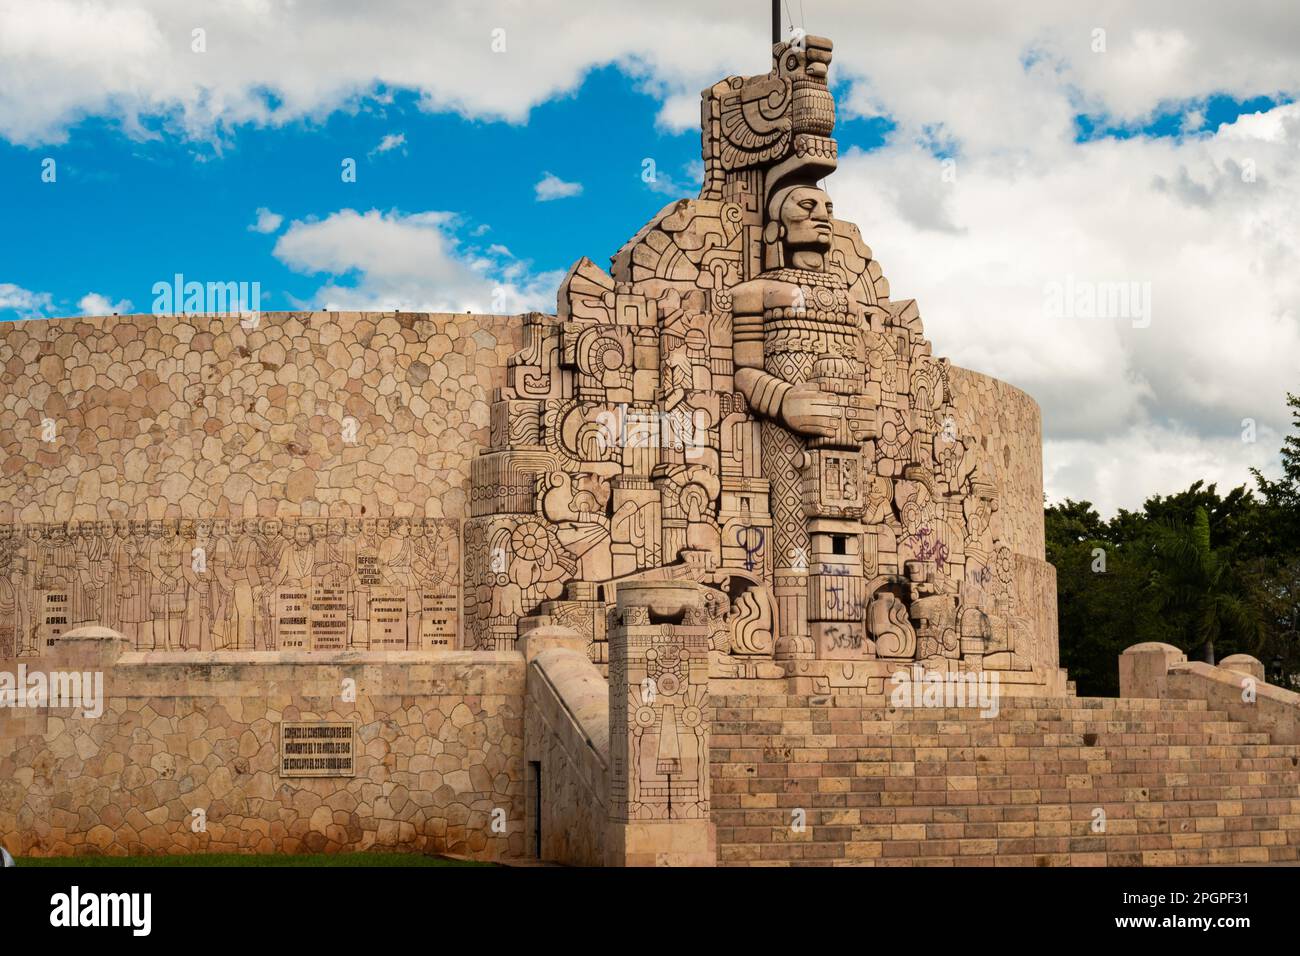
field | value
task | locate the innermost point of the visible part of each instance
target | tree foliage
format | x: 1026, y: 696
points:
x: 1211, y: 574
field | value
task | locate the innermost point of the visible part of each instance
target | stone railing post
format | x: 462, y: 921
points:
x: 1244, y: 664
x: 659, y: 717
x: 1143, y: 669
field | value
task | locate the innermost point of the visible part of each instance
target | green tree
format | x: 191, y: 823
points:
x: 1198, y: 586
x: 1285, y: 492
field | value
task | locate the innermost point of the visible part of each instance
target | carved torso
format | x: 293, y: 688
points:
x: 811, y: 329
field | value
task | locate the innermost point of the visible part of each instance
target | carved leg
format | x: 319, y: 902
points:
x: 782, y: 464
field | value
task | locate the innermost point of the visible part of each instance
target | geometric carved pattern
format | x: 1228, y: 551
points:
x: 739, y: 403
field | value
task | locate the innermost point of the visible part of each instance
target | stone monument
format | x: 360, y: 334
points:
x: 740, y: 403
x: 624, y: 585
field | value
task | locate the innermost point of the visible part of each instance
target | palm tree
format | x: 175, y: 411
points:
x: 1198, y: 582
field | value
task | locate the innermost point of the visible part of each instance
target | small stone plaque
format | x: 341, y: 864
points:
x: 291, y: 605
x: 387, y: 619
x: 55, y: 610
x: 317, y: 749
x: 329, y: 619
x: 437, y: 620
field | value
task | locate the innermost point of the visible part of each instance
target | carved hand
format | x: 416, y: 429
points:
x: 810, y: 411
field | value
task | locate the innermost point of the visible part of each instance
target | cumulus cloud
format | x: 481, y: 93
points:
x: 414, y: 262
x: 266, y: 221
x: 92, y: 303
x: 1202, y: 221
x: 1134, y: 404
x: 551, y: 187
x: 957, y: 69
x: 23, y: 302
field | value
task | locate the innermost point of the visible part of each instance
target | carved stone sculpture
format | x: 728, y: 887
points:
x: 739, y: 403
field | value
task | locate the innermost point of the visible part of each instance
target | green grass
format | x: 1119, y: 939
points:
x: 251, y: 859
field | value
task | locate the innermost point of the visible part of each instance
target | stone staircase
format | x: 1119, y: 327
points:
x: 1177, y: 782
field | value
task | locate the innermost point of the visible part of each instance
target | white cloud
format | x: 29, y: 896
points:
x: 267, y: 221
x: 92, y: 303
x: 551, y: 187
x: 27, y: 304
x: 413, y: 262
x: 390, y: 141
x: 1127, y: 411
x: 959, y: 69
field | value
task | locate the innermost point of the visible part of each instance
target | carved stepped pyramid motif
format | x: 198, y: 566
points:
x: 740, y: 403
x: 1047, y: 782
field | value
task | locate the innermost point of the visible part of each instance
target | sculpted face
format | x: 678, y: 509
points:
x: 806, y: 216
x: 302, y: 534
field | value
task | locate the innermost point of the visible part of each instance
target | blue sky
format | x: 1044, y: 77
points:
x: 128, y: 210
x: 1165, y: 156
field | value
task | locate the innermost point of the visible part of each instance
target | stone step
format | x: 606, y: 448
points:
x: 976, y: 853
x: 1055, y: 819
x: 936, y: 715
x: 1179, y: 783
x: 811, y: 799
x: 974, y: 732
x: 1072, y: 777
x: 950, y: 841
x: 956, y: 715
x: 1036, y: 744
x: 1125, y: 704
x: 1286, y: 808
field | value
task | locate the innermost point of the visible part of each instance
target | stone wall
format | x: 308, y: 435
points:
x: 1009, y: 425
x: 129, y: 445
x: 567, y: 744
x: 197, y: 415
x: 438, y: 755
x: 1236, y: 686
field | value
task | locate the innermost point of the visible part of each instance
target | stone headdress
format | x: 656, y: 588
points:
x: 766, y: 135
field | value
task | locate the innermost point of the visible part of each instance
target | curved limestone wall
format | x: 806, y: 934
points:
x: 310, y: 412
x: 1010, y: 429
x: 210, y: 483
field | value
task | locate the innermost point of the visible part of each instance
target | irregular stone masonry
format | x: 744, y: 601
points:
x: 438, y: 766
x: 1177, y: 784
x: 127, y: 442
x: 345, y: 414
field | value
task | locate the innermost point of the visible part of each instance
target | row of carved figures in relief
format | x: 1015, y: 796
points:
x: 203, y: 585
